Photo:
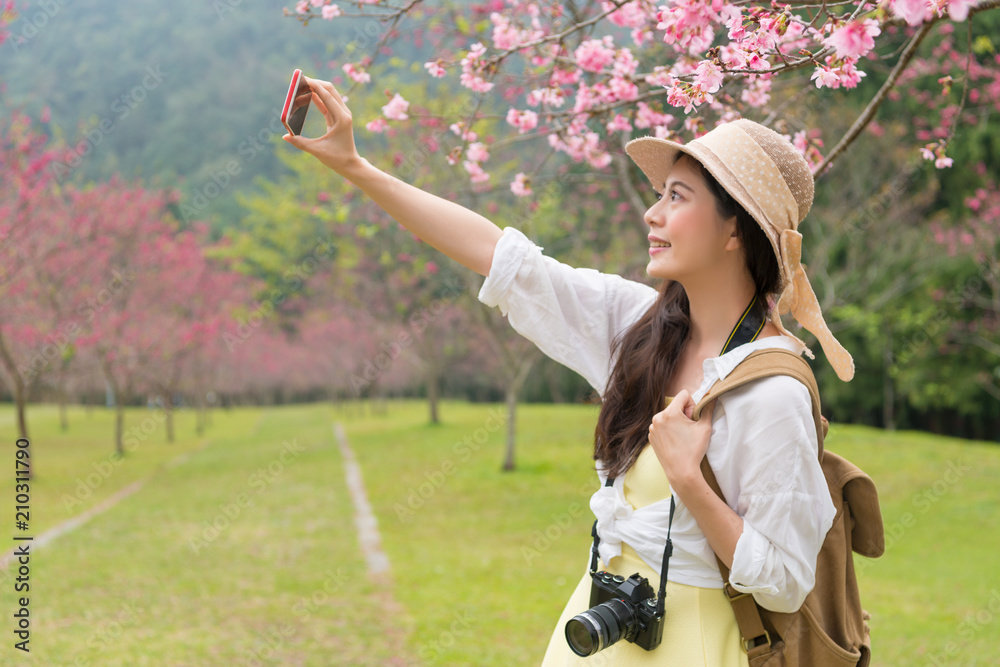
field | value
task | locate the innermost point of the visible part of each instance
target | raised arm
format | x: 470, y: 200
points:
x: 464, y: 235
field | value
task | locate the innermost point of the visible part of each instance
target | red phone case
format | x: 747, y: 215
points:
x: 288, y: 99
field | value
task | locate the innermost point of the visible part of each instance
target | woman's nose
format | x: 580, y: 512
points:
x: 654, y: 216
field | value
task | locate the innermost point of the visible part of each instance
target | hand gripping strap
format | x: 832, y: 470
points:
x: 760, y: 364
x: 765, y: 363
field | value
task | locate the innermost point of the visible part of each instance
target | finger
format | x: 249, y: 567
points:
x: 295, y: 140
x: 328, y: 94
x: 333, y: 91
x: 325, y: 102
x: 327, y: 114
x: 679, y: 402
x: 318, y: 103
x: 706, y: 412
x: 689, y: 406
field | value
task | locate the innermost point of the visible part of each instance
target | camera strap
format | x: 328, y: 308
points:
x: 668, y: 551
x: 749, y: 326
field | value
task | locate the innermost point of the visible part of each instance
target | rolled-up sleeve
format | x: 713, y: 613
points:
x: 783, y: 496
x: 571, y: 314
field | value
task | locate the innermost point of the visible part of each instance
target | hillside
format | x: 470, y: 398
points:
x: 170, y: 93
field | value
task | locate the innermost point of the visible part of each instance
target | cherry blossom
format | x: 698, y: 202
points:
x: 594, y: 55
x: 378, y: 126
x: 577, y: 82
x: 356, y: 74
x: 854, y: 39
x: 521, y: 185
x: 524, y: 121
x: 436, y: 69
x: 396, y: 108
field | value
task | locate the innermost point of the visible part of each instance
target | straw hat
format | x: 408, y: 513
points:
x: 772, y: 181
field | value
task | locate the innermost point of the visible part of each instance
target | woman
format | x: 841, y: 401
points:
x: 723, y: 239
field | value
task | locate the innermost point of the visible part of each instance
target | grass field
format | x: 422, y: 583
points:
x: 240, y: 547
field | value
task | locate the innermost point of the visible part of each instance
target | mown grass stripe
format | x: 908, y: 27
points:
x: 102, y: 507
x: 364, y: 517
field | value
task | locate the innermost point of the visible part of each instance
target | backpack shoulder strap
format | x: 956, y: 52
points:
x: 760, y: 364
x: 765, y: 363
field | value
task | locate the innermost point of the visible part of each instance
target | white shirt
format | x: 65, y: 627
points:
x: 763, y: 445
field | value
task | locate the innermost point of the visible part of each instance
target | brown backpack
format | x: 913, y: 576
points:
x: 831, y: 627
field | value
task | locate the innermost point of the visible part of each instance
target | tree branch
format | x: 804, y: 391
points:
x: 866, y: 116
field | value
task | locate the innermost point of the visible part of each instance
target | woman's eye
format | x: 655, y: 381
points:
x: 659, y: 196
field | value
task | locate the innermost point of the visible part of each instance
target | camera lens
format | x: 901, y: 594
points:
x: 598, y: 628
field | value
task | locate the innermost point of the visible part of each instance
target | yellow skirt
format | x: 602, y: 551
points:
x: 699, y: 627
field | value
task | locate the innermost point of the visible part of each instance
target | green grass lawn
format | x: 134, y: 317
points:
x: 245, y: 552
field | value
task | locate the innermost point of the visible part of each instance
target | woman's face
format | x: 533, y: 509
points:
x: 688, y: 238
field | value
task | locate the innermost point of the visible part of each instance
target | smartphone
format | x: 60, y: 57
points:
x: 293, y: 114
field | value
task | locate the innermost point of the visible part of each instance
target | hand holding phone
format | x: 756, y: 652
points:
x: 335, y: 148
x: 293, y: 114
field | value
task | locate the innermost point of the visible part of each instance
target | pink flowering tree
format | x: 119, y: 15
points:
x: 976, y: 237
x: 8, y: 13
x: 409, y: 297
x: 134, y: 290
x: 191, y: 299
x: 27, y: 241
x: 556, y: 86
x: 588, y: 79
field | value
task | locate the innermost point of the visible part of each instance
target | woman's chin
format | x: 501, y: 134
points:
x: 656, y: 269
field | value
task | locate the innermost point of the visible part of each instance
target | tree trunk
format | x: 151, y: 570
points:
x: 199, y: 416
x: 63, y: 418
x: 168, y: 408
x: 888, y: 392
x: 115, y: 394
x: 552, y: 379
x: 508, y: 461
x: 433, y: 378
x: 119, y: 426
x: 513, y: 390
x: 20, y: 392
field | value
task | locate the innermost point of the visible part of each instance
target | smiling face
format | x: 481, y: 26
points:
x: 688, y: 236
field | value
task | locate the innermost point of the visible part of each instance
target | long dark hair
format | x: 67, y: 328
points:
x: 648, y: 350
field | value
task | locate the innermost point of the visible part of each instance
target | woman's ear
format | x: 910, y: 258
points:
x: 733, y: 241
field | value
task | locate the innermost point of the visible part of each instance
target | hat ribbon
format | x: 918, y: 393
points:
x: 799, y: 298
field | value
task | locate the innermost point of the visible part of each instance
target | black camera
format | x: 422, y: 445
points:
x: 620, y: 609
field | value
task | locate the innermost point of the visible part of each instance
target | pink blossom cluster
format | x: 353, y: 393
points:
x: 472, y: 66
x: 854, y: 39
x: 582, y: 146
x: 377, y: 126
x: 715, y: 60
x: 462, y: 131
x: 834, y: 75
x: 7, y: 13
x: 936, y: 151
x: 915, y: 12
x: 524, y: 121
x: 946, y: 64
x: 396, y: 108
x: 593, y: 55
x: 436, y: 69
x: 647, y: 117
x: 550, y: 96
x: 808, y: 143
x: 690, y: 24
x: 475, y: 154
x: 507, y: 35
x: 357, y: 74
x: 521, y: 185
x: 476, y: 172
x: 635, y: 15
